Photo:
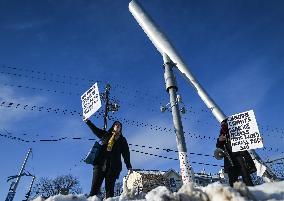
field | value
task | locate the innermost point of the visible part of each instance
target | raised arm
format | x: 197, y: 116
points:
x: 97, y: 131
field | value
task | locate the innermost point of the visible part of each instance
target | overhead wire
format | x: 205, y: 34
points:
x: 133, y: 150
x: 40, y: 73
x: 13, y: 137
x: 152, y: 127
x: 123, y: 120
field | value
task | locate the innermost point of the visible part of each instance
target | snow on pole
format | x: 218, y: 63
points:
x: 172, y: 88
x: 185, y: 169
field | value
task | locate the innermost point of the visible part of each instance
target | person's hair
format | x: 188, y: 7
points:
x: 112, y: 127
x: 225, y: 121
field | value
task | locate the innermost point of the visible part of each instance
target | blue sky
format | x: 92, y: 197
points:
x: 234, y: 48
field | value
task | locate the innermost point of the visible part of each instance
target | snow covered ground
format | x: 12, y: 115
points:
x: 212, y: 192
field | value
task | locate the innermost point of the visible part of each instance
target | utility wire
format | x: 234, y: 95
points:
x: 39, y: 73
x: 131, y: 123
x: 10, y: 136
x: 133, y: 150
x: 75, y: 112
x: 150, y: 154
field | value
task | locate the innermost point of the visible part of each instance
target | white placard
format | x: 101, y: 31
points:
x: 244, y: 132
x: 91, y: 101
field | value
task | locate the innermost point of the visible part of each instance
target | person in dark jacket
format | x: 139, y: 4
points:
x: 235, y: 163
x: 108, y: 163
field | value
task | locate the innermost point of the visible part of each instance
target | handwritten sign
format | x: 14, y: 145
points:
x: 91, y: 101
x: 244, y: 132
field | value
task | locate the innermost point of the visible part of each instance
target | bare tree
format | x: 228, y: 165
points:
x: 64, y: 184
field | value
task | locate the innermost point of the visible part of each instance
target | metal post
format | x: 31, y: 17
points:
x: 106, y: 106
x: 12, y: 193
x: 30, y: 190
x: 171, y: 87
x: 163, y: 45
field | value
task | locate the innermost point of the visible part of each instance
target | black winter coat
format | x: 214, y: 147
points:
x: 233, y: 155
x: 111, y: 160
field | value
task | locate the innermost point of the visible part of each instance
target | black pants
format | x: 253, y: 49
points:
x: 98, y: 176
x: 239, y: 169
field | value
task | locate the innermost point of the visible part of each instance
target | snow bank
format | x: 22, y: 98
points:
x: 68, y: 198
x: 212, y: 192
x: 268, y: 191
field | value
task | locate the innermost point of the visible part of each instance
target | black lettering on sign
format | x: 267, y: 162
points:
x: 240, y: 130
x: 244, y: 147
x: 256, y: 140
x: 246, y: 126
x: 257, y: 134
x: 89, y: 99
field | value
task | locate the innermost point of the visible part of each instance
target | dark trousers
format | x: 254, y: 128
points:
x: 98, y: 176
x: 239, y: 169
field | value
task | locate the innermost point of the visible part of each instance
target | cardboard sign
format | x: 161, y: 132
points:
x: 244, y: 132
x: 91, y: 101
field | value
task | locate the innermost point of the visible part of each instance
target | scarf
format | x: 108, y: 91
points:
x: 111, y: 141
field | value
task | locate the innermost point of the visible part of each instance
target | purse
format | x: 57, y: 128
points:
x: 93, y: 154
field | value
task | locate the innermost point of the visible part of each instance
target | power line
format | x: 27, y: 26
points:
x: 117, y: 86
x: 159, y: 156
x: 137, y: 151
x: 10, y: 136
x: 39, y: 73
x: 48, y: 74
x: 75, y: 112
x: 41, y: 89
x: 168, y: 150
x: 131, y: 123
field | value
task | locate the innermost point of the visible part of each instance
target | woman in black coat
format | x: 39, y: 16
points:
x: 237, y: 163
x: 108, y: 163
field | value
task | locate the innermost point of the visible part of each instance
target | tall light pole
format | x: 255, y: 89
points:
x: 171, y: 86
x: 164, y: 46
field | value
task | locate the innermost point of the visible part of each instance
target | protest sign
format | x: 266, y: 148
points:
x: 91, y: 101
x: 244, y: 133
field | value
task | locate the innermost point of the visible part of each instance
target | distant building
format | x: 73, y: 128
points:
x: 203, y: 179
x: 146, y: 180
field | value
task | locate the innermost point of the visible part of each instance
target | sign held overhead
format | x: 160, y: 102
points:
x: 91, y: 101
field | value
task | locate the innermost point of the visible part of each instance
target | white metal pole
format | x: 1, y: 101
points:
x: 171, y: 86
x: 163, y: 45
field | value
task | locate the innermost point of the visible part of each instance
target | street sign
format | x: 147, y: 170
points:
x: 91, y: 101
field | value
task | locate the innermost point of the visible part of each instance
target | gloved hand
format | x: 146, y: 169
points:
x: 85, y: 119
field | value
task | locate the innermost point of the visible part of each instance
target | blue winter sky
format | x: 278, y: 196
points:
x: 234, y: 48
